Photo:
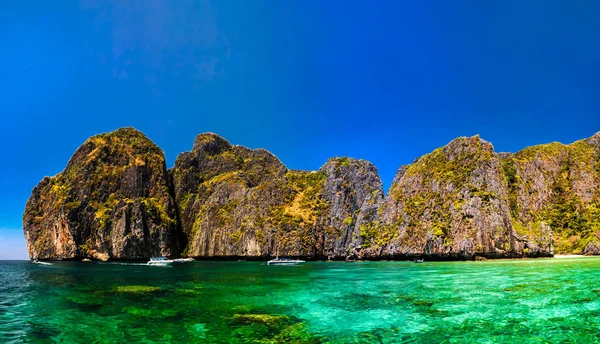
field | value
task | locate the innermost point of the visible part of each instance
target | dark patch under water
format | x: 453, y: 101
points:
x: 545, y: 300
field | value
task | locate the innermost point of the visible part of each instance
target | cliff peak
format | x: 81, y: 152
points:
x: 119, y: 147
x: 474, y: 141
x: 127, y: 131
x: 210, y: 143
x: 457, y: 149
x: 124, y: 133
x: 595, y: 139
x: 344, y: 161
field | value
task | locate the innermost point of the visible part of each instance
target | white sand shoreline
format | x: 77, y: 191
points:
x: 570, y: 256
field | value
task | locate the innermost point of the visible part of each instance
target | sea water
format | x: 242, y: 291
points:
x: 510, y: 301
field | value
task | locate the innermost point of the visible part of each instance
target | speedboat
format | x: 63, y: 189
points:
x: 280, y: 261
x: 41, y: 263
x: 183, y: 260
x: 159, y: 261
x: 416, y: 260
x: 283, y: 261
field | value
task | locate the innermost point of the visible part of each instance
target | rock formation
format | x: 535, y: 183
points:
x: 353, y: 193
x: 111, y: 201
x: 451, y: 202
x: 556, y: 187
x: 235, y: 201
x: 116, y: 200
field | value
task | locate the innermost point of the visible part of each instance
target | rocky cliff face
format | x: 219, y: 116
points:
x: 353, y: 193
x: 111, y: 201
x: 115, y: 199
x: 556, y: 187
x: 240, y: 202
x: 451, y: 203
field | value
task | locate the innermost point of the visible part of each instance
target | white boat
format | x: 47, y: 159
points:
x: 183, y: 260
x: 159, y: 261
x: 283, y: 261
x: 279, y: 261
x: 41, y: 263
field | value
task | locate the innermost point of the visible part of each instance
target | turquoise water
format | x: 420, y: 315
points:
x: 510, y: 301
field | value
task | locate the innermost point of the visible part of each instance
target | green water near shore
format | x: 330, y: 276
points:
x: 544, y: 300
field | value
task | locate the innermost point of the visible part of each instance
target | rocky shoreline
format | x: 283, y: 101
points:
x: 116, y: 200
x: 398, y: 258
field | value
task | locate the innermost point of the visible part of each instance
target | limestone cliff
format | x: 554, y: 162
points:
x: 557, y: 187
x: 115, y: 199
x: 111, y: 201
x: 235, y: 201
x: 353, y: 192
x: 450, y: 203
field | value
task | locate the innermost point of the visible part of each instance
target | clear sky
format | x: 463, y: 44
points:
x: 308, y: 80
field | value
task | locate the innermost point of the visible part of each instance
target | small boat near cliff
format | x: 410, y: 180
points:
x: 41, y: 263
x: 283, y: 261
x: 160, y: 261
x: 183, y: 260
x: 419, y: 260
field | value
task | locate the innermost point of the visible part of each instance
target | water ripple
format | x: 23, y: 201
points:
x: 490, y: 302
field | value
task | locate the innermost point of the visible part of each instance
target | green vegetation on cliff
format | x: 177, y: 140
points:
x: 113, y: 186
x: 448, y: 201
x: 237, y: 201
x: 556, y: 184
x: 115, y: 199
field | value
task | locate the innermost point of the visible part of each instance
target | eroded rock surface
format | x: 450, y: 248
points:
x: 556, y: 188
x: 111, y: 201
x: 116, y: 200
x: 449, y: 203
x: 235, y: 201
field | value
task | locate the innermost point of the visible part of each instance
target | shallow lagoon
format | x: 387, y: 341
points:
x: 537, y: 300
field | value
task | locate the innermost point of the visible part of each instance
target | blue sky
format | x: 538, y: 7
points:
x: 308, y: 80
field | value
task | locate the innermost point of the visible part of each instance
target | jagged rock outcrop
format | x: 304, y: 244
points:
x: 592, y: 248
x: 557, y: 187
x: 226, y: 196
x: 449, y: 203
x: 111, y: 201
x: 235, y: 201
x: 353, y: 192
x: 116, y: 200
